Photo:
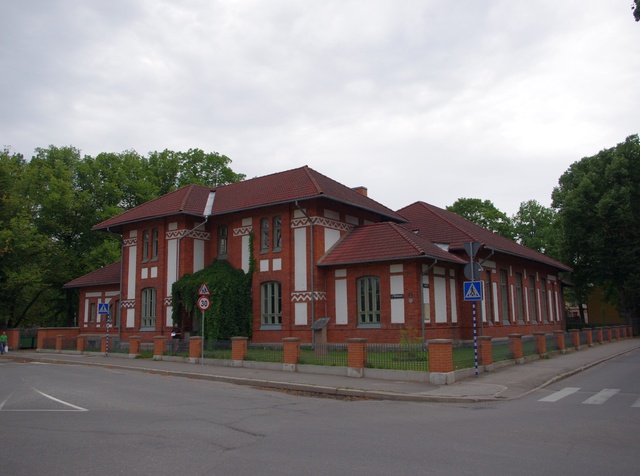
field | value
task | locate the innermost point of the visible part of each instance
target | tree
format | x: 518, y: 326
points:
x: 484, y: 214
x: 534, y: 227
x: 636, y: 9
x: 598, y: 203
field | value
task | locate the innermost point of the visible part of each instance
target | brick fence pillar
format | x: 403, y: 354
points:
x: 589, y: 334
x: 195, y: 349
x: 623, y: 332
x: 560, y: 341
x: 81, y: 342
x: 159, y: 347
x: 239, y: 347
x: 291, y: 348
x: 441, y: 362
x: 616, y: 334
x: 357, y: 357
x: 541, y: 343
x: 599, y: 339
x: 515, y: 344
x: 575, y: 337
x: 134, y: 346
x: 59, y: 340
x: 13, y: 339
x: 608, y: 335
x: 485, y: 352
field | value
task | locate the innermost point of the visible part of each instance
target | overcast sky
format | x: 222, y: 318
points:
x: 428, y: 100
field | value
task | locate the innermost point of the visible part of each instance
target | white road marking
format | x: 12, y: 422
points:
x: 61, y: 401
x: 5, y: 401
x: 554, y: 397
x: 602, y: 396
x: 637, y: 404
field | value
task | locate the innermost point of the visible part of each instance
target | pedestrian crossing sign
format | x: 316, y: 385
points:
x: 103, y: 308
x: 473, y: 291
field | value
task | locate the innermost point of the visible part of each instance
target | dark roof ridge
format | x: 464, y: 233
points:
x: 404, y: 234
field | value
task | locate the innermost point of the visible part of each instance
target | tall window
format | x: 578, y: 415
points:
x: 533, y: 307
x: 488, y: 295
x: 92, y: 312
x: 271, y: 308
x: 222, y: 241
x: 504, y: 296
x: 154, y: 244
x: 145, y: 245
x: 368, y: 300
x: 277, y: 233
x: 148, y: 307
x: 543, y: 300
x: 519, y: 298
x: 264, y: 234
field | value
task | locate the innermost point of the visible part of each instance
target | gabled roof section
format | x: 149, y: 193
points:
x: 284, y: 187
x: 189, y: 200
x: 442, y: 226
x: 292, y: 185
x: 383, y: 242
x: 106, y: 275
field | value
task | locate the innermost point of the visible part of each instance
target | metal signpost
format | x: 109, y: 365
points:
x: 203, y: 305
x: 473, y: 291
x: 103, y: 309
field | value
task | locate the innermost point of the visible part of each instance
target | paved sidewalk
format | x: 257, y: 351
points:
x: 508, y: 382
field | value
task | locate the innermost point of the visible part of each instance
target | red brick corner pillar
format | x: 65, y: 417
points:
x: 560, y: 341
x: 59, y: 340
x: 239, y: 346
x: 575, y: 336
x: 589, y: 335
x: 195, y: 349
x: 159, y: 347
x: 357, y: 357
x: 291, y: 348
x: 517, y: 350
x: 485, y: 352
x: 599, y: 335
x: 134, y: 347
x: 441, y: 362
x: 81, y: 343
x: 541, y: 343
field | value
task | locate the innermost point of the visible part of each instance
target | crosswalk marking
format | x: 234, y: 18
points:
x: 637, y: 404
x: 554, y: 397
x: 602, y: 396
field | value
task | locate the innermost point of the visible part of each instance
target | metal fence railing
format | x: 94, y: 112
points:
x: 333, y: 355
x: 412, y: 356
x: 265, y: 352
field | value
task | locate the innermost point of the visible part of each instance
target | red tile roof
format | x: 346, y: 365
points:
x: 442, y: 226
x: 383, y: 242
x: 284, y: 187
x: 106, y: 275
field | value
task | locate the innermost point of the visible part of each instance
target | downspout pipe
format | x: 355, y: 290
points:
x: 311, y: 268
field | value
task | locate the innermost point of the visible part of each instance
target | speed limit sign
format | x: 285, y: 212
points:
x: 203, y: 303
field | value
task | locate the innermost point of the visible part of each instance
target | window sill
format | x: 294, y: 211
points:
x: 271, y: 327
x: 369, y: 326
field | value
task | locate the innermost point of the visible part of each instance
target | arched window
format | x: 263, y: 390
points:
x: 368, y: 300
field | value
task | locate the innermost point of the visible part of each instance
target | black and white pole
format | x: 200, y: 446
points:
x: 475, y: 338
x: 106, y: 353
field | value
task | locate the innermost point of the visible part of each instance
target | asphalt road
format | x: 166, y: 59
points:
x: 82, y: 420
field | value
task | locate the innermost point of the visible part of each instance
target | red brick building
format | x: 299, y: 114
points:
x: 322, y: 250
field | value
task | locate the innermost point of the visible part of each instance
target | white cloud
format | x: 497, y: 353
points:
x: 415, y: 100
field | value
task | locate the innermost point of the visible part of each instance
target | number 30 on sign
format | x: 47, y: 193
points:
x: 203, y: 303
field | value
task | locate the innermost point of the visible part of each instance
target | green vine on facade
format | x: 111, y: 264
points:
x: 230, y: 312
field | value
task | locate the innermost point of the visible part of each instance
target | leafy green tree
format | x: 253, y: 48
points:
x: 200, y: 168
x: 636, y: 9
x: 598, y: 203
x: 534, y: 227
x: 485, y: 214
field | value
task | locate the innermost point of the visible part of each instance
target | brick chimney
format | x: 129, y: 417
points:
x: 361, y: 190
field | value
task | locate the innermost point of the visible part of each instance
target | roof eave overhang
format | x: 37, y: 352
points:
x: 112, y: 228
x: 399, y: 258
x: 558, y: 266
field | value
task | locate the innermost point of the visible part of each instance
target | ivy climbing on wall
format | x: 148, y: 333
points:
x: 230, y: 312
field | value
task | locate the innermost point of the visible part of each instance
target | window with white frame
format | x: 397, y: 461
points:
x: 368, y: 300
x: 145, y: 245
x: 148, y: 308
x: 264, y: 234
x: 154, y: 244
x: 504, y: 296
x: 271, y: 307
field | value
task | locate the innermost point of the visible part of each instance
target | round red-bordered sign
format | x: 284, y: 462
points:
x: 203, y: 303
